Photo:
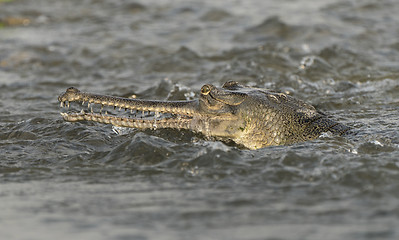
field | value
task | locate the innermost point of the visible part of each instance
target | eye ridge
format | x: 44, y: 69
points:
x: 230, y: 84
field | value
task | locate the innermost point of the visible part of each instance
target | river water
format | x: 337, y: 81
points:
x: 62, y: 180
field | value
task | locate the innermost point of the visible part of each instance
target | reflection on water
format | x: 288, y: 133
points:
x: 92, y: 181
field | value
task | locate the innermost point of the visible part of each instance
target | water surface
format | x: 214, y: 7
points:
x: 84, y: 181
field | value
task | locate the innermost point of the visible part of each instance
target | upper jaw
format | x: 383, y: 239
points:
x: 188, y: 108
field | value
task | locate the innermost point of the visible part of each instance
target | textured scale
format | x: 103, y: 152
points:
x: 251, y: 117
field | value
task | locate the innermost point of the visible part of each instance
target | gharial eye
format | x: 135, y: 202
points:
x: 205, y: 89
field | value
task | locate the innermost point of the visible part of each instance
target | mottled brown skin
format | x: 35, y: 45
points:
x: 251, y: 117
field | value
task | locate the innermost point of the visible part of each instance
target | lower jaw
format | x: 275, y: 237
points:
x: 177, y: 123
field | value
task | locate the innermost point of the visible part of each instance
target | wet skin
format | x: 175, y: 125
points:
x: 251, y: 117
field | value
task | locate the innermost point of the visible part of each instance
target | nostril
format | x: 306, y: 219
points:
x: 72, y: 90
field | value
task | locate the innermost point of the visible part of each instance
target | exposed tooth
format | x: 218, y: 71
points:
x: 61, y: 104
x: 82, y: 111
x: 88, y: 105
x: 83, y: 103
x: 68, y: 104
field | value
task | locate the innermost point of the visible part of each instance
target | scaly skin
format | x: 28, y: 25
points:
x: 252, y: 117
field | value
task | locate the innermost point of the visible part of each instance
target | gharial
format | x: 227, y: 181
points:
x: 252, y: 117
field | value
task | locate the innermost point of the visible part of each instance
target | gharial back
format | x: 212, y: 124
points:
x: 275, y: 118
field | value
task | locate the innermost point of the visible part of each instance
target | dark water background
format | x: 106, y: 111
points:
x: 83, y: 181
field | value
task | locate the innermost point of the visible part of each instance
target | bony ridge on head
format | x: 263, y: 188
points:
x: 230, y: 83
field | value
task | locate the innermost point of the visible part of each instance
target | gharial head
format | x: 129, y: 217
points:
x: 210, y: 114
x: 249, y: 116
x: 216, y: 100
